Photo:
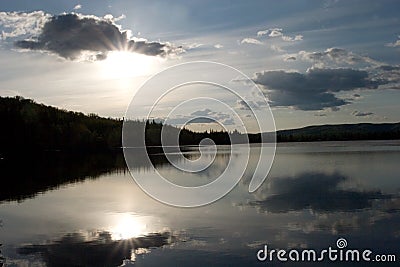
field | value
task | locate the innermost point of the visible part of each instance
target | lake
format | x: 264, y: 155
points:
x: 63, y: 210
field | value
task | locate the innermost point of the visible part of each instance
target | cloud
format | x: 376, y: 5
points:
x: 223, y: 118
x: 337, y: 56
x: 73, y: 36
x: 362, y: 114
x: 16, y: 24
x: 378, y: 72
x: 313, y: 90
x: 204, y: 112
x: 77, y: 7
x: 242, y: 105
x: 272, y: 33
x: 192, y: 46
x: 261, y: 33
x: 290, y: 58
x: 394, y: 44
x: 389, y: 68
x: 277, y: 48
x: 292, y: 39
x: 334, y: 109
x: 278, y: 32
x: 202, y: 120
x: 319, y: 192
x: 218, y: 46
x: 114, y: 19
x: 387, y: 74
x: 68, y: 249
x: 249, y: 105
x: 202, y: 116
x: 251, y: 41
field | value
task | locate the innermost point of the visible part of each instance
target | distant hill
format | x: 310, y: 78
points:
x: 28, y: 126
x: 341, y: 132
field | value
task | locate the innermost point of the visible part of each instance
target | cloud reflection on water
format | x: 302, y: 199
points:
x: 74, y: 249
x: 319, y: 192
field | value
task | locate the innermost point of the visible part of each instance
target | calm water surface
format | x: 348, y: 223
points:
x: 59, y: 211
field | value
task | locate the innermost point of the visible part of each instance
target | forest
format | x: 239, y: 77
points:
x: 29, y: 126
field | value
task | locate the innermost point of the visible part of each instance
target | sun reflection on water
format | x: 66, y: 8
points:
x: 127, y: 225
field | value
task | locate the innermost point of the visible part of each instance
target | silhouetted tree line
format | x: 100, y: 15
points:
x: 28, y: 126
x: 31, y: 126
x: 186, y: 137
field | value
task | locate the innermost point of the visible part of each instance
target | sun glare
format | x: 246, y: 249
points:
x: 127, y: 226
x: 121, y: 64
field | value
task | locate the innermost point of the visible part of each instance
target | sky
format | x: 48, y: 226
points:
x: 316, y: 62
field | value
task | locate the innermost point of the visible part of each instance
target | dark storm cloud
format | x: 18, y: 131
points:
x: 70, y: 35
x: 316, y: 191
x: 313, y: 90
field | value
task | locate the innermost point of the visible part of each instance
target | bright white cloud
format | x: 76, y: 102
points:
x: 79, y: 6
x: 192, y: 46
x: 336, y: 56
x: 15, y: 24
x: 394, y: 44
x: 261, y: 33
x: 292, y: 39
x: 275, y: 32
x: 278, y: 32
x: 114, y: 19
x: 251, y: 41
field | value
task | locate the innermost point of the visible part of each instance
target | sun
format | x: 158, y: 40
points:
x: 123, y: 64
x: 127, y: 226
